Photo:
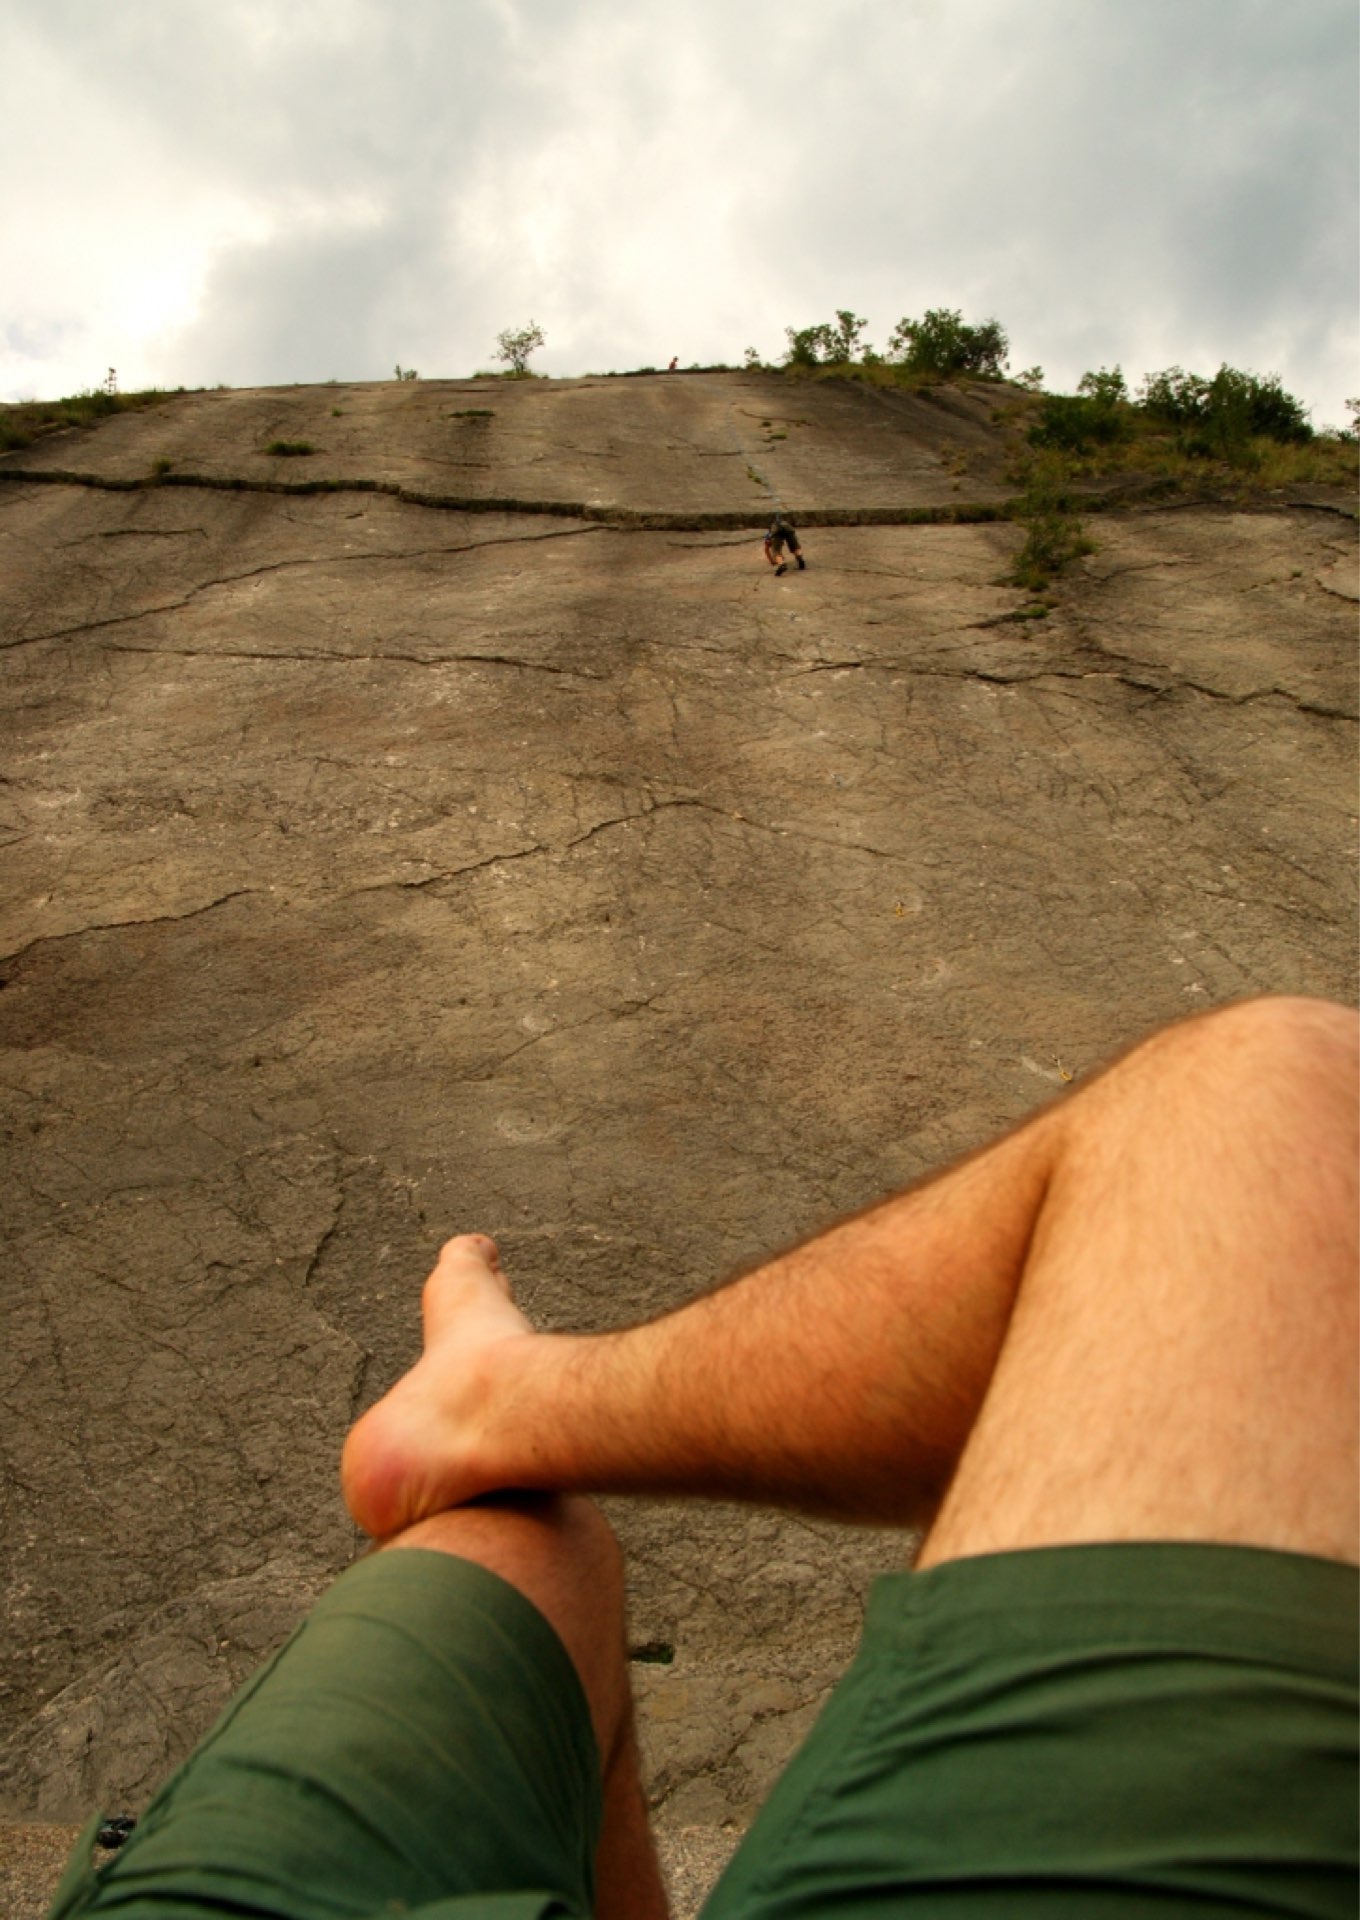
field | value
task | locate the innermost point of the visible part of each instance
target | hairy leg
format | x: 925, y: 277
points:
x: 561, y: 1554
x: 1149, y: 1283
x: 1180, y: 1362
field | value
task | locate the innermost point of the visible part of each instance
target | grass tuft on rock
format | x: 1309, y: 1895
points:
x: 28, y: 420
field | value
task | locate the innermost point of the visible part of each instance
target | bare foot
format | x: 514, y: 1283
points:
x: 423, y: 1446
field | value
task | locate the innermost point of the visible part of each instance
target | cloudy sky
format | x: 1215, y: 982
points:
x: 263, y: 191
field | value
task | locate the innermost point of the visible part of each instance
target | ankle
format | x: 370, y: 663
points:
x: 520, y: 1430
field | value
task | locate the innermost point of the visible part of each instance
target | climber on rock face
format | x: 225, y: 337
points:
x: 782, y: 534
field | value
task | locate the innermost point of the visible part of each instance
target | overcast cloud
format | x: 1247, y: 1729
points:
x: 263, y: 191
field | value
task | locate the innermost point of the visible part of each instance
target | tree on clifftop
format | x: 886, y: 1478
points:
x: 808, y: 346
x: 827, y: 346
x: 516, y: 344
x: 943, y: 343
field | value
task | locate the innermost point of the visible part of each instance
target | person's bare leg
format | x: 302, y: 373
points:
x: 1181, y: 1359
x: 561, y: 1554
x: 1179, y: 1234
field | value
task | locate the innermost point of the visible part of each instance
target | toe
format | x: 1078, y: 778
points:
x: 471, y: 1246
x: 468, y: 1267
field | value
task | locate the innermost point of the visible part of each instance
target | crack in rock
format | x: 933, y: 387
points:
x: 331, y: 659
x: 116, y: 926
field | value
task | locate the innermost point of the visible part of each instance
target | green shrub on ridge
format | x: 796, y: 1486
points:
x: 1221, y: 415
x: 942, y: 343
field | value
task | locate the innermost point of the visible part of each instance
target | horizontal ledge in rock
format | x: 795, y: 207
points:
x: 1093, y: 497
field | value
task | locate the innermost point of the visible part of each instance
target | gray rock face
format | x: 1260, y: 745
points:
x: 682, y: 448
x: 376, y: 871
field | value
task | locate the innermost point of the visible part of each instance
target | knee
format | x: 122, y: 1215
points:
x: 1305, y: 1053
x: 576, y: 1572
x: 1268, y: 1087
x: 557, y: 1545
x: 560, y: 1552
x: 1272, y: 1088
x: 591, y: 1544
x: 1275, y: 1045
x: 1290, y: 1025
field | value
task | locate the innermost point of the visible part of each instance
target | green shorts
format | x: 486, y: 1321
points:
x: 421, y: 1743
x: 1105, y: 1731
x: 1130, y: 1730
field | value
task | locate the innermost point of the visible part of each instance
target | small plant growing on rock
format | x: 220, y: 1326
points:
x: 515, y: 344
x: 288, y: 449
x: 1055, y: 535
